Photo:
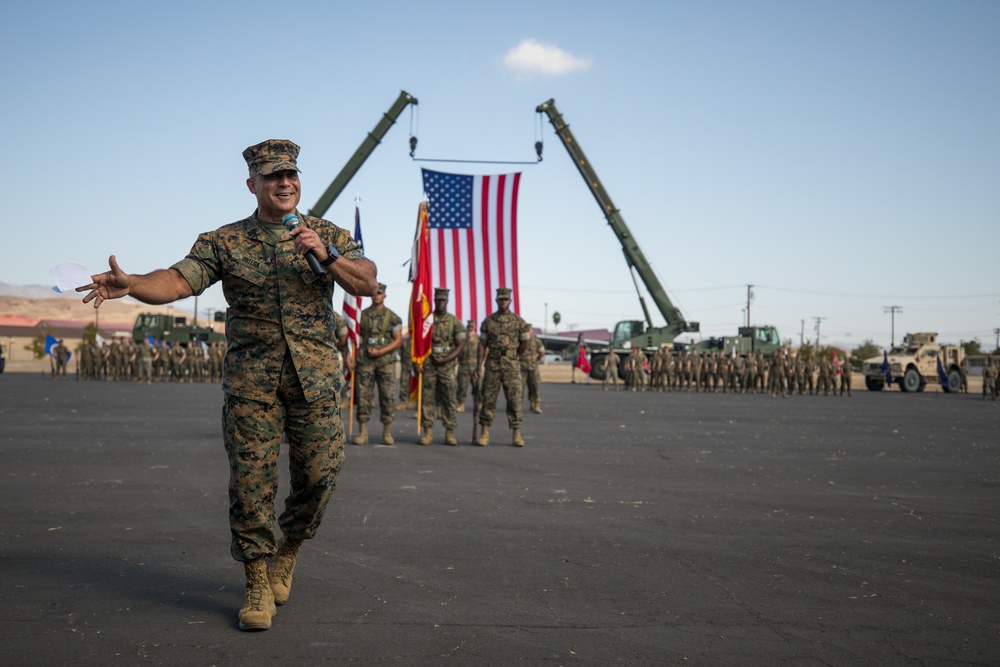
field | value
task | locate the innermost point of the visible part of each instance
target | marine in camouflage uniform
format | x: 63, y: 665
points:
x: 824, y: 381
x: 807, y: 376
x: 845, y: 377
x: 405, y: 371
x: 380, y: 334
x: 989, y: 380
x: 611, y: 363
x: 144, y: 361
x: 439, y: 373
x: 776, y: 377
x: 762, y: 372
x: 466, y: 362
x: 503, y: 338
x: 533, y: 354
x: 280, y: 374
x: 696, y: 369
x: 61, y: 354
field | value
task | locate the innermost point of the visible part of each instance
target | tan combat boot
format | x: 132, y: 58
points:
x: 460, y: 407
x: 536, y: 407
x: 362, y: 437
x: 449, y: 437
x: 518, y: 440
x: 284, y: 566
x: 258, y: 605
x: 484, y: 437
x: 427, y: 437
x: 387, y: 435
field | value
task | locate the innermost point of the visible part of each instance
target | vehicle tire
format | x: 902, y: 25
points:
x: 597, y: 366
x: 954, y: 381
x: 874, y: 384
x: 912, y: 381
x: 621, y: 368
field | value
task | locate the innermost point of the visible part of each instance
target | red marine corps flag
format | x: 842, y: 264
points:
x: 421, y: 317
x: 581, y: 360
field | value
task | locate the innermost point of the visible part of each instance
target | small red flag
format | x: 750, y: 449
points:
x: 581, y: 361
x: 421, y: 319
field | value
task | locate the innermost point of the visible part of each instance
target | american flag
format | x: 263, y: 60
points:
x: 473, y: 236
x: 352, y: 304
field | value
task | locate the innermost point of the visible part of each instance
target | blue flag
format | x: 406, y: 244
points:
x: 50, y: 343
x: 886, y: 371
x: 942, y: 376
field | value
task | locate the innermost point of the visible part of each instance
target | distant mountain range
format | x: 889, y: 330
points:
x: 44, y: 302
x: 33, y: 292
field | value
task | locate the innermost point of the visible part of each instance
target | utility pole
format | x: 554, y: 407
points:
x: 749, y: 299
x: 818, y: 320
x: 997, y: 332
x: 802, y: 333
x: 893, y: 310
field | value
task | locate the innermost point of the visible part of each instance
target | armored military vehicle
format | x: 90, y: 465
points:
x: 918, y: 361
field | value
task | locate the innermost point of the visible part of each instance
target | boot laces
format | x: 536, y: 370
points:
x: 286, y: 562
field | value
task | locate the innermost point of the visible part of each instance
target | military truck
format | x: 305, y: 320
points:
x: 171, y: 329
x: 642, y: 333
x: 914, y: 364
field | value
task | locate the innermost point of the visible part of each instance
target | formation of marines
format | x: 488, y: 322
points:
x: 783, y: 374
x: 124, y: 360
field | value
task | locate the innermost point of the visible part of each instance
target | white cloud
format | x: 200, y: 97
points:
x: 533, y: 57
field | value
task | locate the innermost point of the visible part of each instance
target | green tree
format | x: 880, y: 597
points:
x: 90, y: 333
x: 866, y: 350
x: 807, y: 351
x: 972, y: 347
x: 37, y: 344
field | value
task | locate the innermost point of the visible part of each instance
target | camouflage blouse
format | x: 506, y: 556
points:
x: 375, y: 331
x: 447, y: 331
x: 277, y: 305
x: 503, y: 333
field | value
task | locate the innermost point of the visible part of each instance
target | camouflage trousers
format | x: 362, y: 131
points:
x: 405, y: 371
x: 610, y: 375
x: 385, y: 377
x: 146, y: 370
x: 508, y: 376
x: 464, y: 383
x: 533, y: 381
x: 252, y: 433
x: 438, y: 387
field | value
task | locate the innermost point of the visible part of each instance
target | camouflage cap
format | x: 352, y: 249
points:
x: 441, y: 293
x: 270, y: 156
x: 381, y: 288
x: 471, y: 324
x: 503, y: 292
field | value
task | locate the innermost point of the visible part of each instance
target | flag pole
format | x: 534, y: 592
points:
x: 420, y: 396
x: 354, y: 379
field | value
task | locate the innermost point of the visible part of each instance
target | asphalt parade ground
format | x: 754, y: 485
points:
x: 633, y: 529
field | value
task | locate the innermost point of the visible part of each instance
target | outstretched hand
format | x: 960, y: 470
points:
x: 111, y: 284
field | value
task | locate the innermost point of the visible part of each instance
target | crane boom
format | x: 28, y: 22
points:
x: 637, y: 262
x: 368, y: 145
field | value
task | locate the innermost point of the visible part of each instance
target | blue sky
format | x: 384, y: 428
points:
x: 841, y: 157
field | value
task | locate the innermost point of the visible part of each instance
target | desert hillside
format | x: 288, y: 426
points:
x: 70, y: 308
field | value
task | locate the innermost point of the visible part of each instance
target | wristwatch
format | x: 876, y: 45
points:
x: 332, y: 257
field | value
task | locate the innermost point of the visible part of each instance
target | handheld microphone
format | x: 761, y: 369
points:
x: 291, y: 221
